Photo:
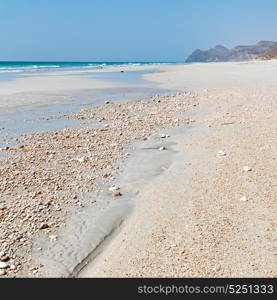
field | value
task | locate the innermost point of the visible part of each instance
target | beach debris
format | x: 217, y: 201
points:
x: 107, y: 102
x: 2, y: 207
x: 162, y: 148
x: 53, y: 238
x: 247, y: 169
x: 220, y: 153
x: 216, y: 268
x: 4, y: 258
x: 117, y: 194
x: 164, y: 136
x: 3, y: 272
x: 113, y: 188
x: 243, y: 199
x: 3, y: 265
x: 43, y: 226
x: 227, y: 123
x: 81, y: 159
x: 5, y: 148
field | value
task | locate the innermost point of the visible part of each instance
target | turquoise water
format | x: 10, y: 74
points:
x: 35, y: 66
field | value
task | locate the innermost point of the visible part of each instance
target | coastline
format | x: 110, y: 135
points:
x: 165, y: 171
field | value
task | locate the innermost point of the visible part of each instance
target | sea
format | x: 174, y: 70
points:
x: 39, y: 66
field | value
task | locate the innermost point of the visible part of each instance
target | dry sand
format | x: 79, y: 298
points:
x: 207, y: 214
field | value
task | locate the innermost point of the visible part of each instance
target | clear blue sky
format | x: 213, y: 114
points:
x: 129, y: 30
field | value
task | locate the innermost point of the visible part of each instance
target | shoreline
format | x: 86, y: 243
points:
x: 147, y: 124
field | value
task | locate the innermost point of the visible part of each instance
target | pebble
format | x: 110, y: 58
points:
x: 3, y: 272
x: 3, y: 265
x: 2, y: 207
x: 221, y: 153
x: 52, y: 237
x: 243, y: 199
x: 217, y: 269
x: 4, y: 258
x: 162, y: 148
x: 44, y: 226
x: 113, y: 188
x: 247, y: 169
x: 81, y: 159
x: 117, y: 194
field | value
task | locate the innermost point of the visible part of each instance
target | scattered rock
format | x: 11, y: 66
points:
x: 113, y: 188
x: 3, y: 272
x: 44, y: 226
x: 2, y: 207
x: 3, y: 265
x: 220, y: 153
x: 117, y: 194
x: 162, y: 148
x: 217, y: 268
x: 243, y: 199
x: 81, y: 159
x: 164, y: 136
x: 5, y: 148
x: 247, y: 169
x: 53, y: 238
x: 4, y: 258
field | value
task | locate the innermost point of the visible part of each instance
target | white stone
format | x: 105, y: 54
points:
x: 3, y: 265
x: 247, y: 169
x: 2, y: 272
x: 221, y: 153
x: 113, y: 188
x: 53, y: 237
x: 243, y: 199
x: 81, y: 159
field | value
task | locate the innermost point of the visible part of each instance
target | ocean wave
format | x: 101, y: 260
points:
x: 17, y: 67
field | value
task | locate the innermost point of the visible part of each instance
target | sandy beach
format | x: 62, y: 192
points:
x: 181, y: 184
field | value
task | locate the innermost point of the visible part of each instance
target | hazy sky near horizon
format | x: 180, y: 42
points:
x: 125, y: 30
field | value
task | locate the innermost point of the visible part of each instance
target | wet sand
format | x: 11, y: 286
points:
x: 154, y: 187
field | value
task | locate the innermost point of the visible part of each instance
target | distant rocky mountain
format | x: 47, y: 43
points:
x: 271, y: 54
x: 239, y: 53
